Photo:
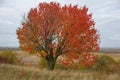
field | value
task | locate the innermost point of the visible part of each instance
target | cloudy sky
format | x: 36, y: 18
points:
x: 106, y: 14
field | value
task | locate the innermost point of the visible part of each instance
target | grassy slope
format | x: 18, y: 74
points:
x: 12, y: 72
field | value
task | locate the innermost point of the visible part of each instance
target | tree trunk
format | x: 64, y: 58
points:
x: 51, y: 62
x: 51, y: 65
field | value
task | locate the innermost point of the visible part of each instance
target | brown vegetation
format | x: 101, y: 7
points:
x: 108, y: 70
x: 27, y: 73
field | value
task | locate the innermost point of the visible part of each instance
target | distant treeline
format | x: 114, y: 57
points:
x: 110, y: 50
x: 9, y: 48
x: 102, y: 50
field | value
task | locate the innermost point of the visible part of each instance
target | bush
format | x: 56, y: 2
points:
x: 117, y: 66
x: 43, y: 63
x: 59, y: 66
x: 72, y: 66
x: 104, y: 63
x: 118, y: 61
x: 76, y: 66
x: 8, y: 57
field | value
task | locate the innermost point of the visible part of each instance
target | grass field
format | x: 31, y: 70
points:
x: 26, y: 72
x: 12, y: 72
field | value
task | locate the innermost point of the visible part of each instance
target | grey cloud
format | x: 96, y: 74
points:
x: 106, y: 14
x: 8, y: 40
x: 1, y: 2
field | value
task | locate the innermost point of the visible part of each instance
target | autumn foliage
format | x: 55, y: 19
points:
x: 51, y: 30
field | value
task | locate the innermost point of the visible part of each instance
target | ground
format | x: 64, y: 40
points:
x: 33, y: 72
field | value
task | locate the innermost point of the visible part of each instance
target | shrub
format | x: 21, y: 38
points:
x: 43, y: 63
x: 76, y: 66
x: 59, y: 66
x: 118, y: 61
x: 117, y: 66
x: 8, y: 57
x: 104, y: 63
x: 72, y: 66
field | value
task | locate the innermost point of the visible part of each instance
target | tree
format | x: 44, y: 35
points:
x: 51, y: 30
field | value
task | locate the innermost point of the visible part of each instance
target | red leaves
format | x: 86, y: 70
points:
x: 56, y: 29
x: 89, y: 59
x: 86, y: 59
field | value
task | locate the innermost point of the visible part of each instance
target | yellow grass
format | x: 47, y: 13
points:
x: 12, y: 72
x: 19, y: 72
x: 113, y: 55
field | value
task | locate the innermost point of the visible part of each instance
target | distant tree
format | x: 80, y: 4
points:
x: 51, y: 30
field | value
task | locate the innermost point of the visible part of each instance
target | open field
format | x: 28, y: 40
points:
x: 12, y: 72
x: 31, y: 58
x: 26, y: 58
x: 33, y: 72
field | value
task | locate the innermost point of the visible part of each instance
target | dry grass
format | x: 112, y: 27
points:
x: 113, y: 55
x: 12, y: 72
x: 27, y: 58
x: 16, y: 72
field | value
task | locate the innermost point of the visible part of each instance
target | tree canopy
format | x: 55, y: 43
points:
x: 51, y: 30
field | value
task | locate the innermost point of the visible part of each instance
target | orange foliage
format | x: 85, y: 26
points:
x: 58, y: 30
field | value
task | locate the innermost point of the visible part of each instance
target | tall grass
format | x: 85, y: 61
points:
x: 75, y: 72
x: 12, y: 72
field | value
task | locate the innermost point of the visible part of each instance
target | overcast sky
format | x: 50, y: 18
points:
x: 106, y: 14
